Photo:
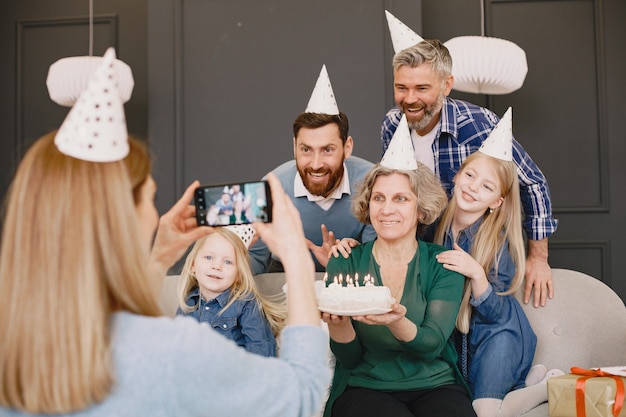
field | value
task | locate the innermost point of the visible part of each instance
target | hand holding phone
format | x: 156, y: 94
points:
x: 233, y: 203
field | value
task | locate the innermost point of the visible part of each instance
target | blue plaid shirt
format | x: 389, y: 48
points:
x: 463, y: 128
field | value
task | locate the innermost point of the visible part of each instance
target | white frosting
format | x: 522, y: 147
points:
x: 351, y: 298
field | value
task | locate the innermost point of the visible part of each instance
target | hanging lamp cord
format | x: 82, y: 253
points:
x: 90, y: 27
x: 482, y: 18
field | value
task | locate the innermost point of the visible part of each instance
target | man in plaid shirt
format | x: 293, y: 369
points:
x: 444, y: 131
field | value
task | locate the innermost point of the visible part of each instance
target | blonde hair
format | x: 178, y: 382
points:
x: 431, y: 197
x: 70, y: 257
x: 139, y: 166
x: 274, y: 311
x: 502, y: 226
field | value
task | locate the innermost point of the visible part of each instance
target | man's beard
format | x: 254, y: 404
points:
x: 430, y: 112
x: 318, y: 188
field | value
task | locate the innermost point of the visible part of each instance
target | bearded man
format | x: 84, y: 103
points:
x: 320, y: 181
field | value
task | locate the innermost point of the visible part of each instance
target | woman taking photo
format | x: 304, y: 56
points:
x: 80, y: 325
x: 400, y: 363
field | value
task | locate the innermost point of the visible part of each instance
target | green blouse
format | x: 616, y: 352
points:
x: 376, y: 359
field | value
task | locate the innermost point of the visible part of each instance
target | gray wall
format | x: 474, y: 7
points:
x: 224, y: 81
x: 36, y: 33
x: 227, y: 79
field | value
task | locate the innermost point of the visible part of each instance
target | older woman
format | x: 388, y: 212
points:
x: 400, y: 363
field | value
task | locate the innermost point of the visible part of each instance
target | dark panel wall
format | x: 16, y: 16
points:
x: 567, y: 115
x: 568, y: 129
x: 236, y: 74
x: 36, y: 33
x: 560, y: 81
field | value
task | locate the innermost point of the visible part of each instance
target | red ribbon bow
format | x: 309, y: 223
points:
x: 580, y: 389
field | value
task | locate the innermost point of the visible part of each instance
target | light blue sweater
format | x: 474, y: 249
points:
x: 175, y: 367
x: 338, y: 218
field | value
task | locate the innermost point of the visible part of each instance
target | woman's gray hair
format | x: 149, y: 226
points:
x: 431, y: 197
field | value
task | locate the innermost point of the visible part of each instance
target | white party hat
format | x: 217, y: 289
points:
x: 244, y: 231
x: 499, y: 144
x: 322, y: 99
x: 95, y: 128
x: 400, y: 154
x: 402, y: 36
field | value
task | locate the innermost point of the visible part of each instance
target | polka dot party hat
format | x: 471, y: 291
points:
x: 322, y: 99
x: 499, y: 144
x: 244, y: 231
x: 400, y: 153
x: 402, y: 36
x: 95, y: 128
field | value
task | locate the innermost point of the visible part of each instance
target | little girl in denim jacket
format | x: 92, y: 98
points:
x: 217, y: 288
x: 482, y: 227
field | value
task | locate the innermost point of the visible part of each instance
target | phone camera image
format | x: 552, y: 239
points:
x: 235, y: 203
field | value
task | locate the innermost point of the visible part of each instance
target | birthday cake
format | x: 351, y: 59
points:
x: 355, y: 299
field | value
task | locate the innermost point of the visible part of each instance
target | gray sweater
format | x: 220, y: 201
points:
x: 338, y: 219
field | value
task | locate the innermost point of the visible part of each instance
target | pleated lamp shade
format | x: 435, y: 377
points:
x: 68, y: 77
x: 486, y: 65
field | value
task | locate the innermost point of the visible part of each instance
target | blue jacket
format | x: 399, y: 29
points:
x: 242, y: 322
x: 498, y: 326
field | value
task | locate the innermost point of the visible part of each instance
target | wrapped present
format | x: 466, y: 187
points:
x: 588, y: 393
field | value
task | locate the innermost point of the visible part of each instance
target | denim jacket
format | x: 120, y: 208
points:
x: 242, y: 322
x: 498, y: 324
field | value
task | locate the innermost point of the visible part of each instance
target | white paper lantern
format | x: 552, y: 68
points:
x: 68, y: 77
x: 486, y: 65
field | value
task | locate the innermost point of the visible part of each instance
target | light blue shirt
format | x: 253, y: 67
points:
x: 175, y: 367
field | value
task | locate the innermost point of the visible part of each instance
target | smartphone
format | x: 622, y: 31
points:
x: 233, y: 203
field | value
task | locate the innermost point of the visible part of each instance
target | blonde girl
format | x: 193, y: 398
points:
x: 496, y: 345
x: 218, y: 289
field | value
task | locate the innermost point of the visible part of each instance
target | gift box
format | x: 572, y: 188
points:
x: 588, y: 393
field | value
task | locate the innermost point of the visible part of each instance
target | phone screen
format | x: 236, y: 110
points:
x: 233, y: 203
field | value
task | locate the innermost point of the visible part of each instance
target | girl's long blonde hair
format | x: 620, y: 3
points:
x: 502, y: 226
x: 275, y: 311
x: 71, y: 256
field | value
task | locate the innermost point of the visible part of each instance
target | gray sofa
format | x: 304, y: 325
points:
x: 584, y: 324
